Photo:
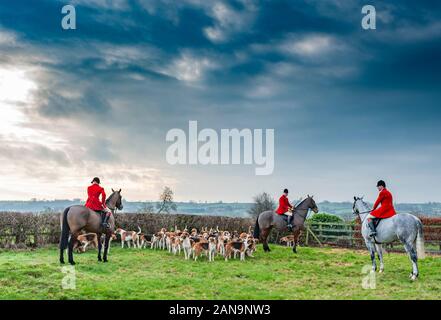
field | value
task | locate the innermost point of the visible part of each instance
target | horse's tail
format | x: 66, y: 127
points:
x: 256, y: 234
x: 421, y: 253
x: 64, y: 239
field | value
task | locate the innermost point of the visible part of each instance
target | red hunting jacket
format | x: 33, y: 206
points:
x: 93, y: 202
x: 387, y: 207
x: 284, y: 205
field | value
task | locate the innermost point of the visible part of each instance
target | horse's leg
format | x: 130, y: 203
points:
x: 410, y: 248
x: 379, y: 248
x: 371, y: 248
x: 62, y: 256
x: 72, y: 240
x: 264, y: 237
x: 296, y: 240
x: 106, y: 247
x: 100, y: 245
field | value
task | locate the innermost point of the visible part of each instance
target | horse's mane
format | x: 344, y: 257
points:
x: 110, y: 197
x: 301, y: 202
x: 365, y: 204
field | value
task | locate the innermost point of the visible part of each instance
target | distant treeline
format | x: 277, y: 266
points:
x: 342, y: 209
x: 22, y: 230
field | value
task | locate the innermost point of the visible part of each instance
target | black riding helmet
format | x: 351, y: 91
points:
x: 97, y: 180
x: 381, y: 183
x: 285, y: 191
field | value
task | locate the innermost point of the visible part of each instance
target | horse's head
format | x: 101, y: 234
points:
x: 312, y: 204
x: 359, y: 205
x: 115, y: 200
x: 308, y: 203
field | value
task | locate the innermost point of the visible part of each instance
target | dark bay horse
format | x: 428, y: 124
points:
x: 77, y: 218
x: 269, y: 219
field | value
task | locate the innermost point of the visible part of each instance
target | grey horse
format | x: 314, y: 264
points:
x: 269, y: 219
x: 77, y: 218
x: 404, y: 227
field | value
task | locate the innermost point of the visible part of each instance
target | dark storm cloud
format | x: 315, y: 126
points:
x: 307, y: 69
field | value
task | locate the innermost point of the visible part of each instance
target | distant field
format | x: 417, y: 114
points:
x: 314, y: 273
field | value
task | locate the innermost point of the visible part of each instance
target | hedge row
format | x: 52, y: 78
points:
x: 20, y: 230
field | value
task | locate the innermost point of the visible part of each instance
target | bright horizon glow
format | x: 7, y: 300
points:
x: 15, y: 91
x: 15, y: 86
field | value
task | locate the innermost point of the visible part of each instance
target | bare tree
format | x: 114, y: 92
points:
x: 166, y: 201
x: 262, y: 202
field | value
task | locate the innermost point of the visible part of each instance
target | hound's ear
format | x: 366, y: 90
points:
x: 355, y: 198
x: 119, y: 191
x: 113, y: 190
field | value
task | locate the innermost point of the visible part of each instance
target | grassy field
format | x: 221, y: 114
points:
x: 314, y: 273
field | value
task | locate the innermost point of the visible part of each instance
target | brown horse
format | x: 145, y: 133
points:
x: 77, y: 218
x: 269, y: 219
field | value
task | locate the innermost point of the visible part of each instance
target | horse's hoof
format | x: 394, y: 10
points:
x: 105, y: 260
x: 414, y: 277
x: 62, y: 262
x: 381, y: 271
x: 72, y: 263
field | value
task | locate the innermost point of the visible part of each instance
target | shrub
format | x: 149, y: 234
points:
x: 325, y: 217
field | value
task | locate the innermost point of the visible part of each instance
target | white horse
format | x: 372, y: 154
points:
x: 404, y: 227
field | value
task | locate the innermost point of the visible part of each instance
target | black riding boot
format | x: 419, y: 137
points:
x: 104, y: 219
x: 290, y: 219
x: 371, y: 225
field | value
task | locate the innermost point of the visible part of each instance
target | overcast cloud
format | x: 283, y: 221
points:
x: 348, y: 106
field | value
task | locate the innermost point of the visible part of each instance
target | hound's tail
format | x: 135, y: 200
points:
x: 64, y: 239
x: 139, y: 232
x: 421, y: 253
x: 257, y: 229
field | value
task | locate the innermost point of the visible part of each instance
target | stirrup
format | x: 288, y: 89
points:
x: 290, y: 226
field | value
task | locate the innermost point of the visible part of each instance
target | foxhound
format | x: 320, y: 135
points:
x: 129, y: 236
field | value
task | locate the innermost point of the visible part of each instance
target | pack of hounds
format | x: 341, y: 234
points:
x: 192, y: 243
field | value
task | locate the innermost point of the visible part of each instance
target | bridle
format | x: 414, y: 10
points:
x: 355, y: 211
x: 295, y: 207
x: 115, y: 207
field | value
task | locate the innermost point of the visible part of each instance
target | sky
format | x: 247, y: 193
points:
x: 348, y: 106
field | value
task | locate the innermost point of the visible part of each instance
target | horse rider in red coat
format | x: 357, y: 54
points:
x: 386, y: 210
x: 95, y: 192
x: 285, y: 207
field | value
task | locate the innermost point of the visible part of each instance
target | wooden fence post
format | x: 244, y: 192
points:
x: 307, y: 237
x: 315, y: 237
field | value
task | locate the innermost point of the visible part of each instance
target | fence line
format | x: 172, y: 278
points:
x: 21, y: 230
x: 349, y: 235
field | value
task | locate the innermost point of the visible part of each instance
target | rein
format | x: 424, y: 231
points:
x: 359, y: 213
x: 362, y: 221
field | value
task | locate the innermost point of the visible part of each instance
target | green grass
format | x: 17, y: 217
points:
x: 314, y: 273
